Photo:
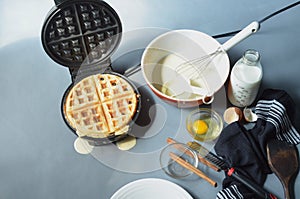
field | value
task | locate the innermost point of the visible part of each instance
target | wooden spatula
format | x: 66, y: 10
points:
x: 283, y: 161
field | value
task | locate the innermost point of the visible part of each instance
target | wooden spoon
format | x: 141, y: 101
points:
x: 283, y: 161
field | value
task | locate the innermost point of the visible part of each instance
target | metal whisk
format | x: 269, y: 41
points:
x: 193, y: 69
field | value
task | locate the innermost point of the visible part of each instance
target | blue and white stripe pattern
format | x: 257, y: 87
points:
x: 230, y: 192
x: 275, y: 113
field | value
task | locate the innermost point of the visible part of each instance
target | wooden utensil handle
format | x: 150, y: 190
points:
x: 286, y: 188
x: 192, y: 168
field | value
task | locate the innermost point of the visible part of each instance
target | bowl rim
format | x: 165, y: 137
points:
x: 155, y: 40
x: 208, y: 110
x: 186, y: 147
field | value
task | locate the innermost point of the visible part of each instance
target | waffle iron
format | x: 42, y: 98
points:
x: 82, y: 36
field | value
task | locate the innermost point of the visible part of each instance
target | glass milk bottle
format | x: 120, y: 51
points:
x: 245, y: 79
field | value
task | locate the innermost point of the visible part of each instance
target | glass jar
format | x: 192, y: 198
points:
x: 245, y: 79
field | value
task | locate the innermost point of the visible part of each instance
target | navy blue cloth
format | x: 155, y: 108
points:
x: 245, y: 150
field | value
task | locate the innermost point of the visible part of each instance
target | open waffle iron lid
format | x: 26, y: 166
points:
x: 81, y: 34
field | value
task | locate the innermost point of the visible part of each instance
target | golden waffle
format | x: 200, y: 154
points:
x: 100, y: 105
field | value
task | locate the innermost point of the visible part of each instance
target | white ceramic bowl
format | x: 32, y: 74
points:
x: 185, y: 45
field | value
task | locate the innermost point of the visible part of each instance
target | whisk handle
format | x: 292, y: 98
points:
x: 243, y: 34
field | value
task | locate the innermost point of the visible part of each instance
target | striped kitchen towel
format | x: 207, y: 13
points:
x: 245, y: 149
x: 230, y: 192
x: 276, y: 108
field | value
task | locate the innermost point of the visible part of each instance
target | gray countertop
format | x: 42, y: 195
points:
x: 37, y: 158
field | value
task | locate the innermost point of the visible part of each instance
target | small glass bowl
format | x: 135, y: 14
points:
x: 213, y: 121
x: 170, y: 166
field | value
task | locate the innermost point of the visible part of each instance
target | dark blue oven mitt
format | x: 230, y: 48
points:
x: 245, y: 150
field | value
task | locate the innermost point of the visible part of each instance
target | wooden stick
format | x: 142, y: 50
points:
x: 200, y: 158
x: 192, y: 168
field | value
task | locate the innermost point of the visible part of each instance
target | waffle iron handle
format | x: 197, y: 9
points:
x: 132, y: 70
x: 57, y: 2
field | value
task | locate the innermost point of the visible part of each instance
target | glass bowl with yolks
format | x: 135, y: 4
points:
x: 204, y: 124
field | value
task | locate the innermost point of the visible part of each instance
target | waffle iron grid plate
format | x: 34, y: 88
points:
x: 81, y: 33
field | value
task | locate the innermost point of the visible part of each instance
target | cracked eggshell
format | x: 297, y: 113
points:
x: 232, y: 114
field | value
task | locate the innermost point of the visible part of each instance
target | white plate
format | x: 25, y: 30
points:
x: 151, y: 188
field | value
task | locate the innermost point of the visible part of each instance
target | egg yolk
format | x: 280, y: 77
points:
x: 200, y: 127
